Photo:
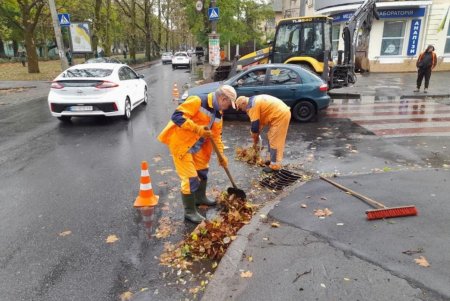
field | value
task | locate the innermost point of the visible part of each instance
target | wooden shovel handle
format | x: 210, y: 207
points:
x: 219, y: 155
x: 363, y: 198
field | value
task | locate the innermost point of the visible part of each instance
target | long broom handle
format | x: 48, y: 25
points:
x: 363, y: 198
x: 216, y: 149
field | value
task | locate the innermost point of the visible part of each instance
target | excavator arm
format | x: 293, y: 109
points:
x: 343, y: 73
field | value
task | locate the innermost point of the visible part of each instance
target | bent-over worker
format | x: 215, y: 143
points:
x: 188, y: 134
x: 268, y: 110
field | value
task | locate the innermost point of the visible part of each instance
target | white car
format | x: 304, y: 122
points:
x: 166, y: 57
x: 101, y: 89
x: 181, y: 59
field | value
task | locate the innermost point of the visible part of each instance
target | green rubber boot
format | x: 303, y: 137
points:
x: 190, y: 211
x: 200, y: 195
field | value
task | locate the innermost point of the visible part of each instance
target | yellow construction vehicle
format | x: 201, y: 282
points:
x: 307, y: 41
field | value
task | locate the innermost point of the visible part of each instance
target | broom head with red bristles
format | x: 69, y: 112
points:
x: 391, y: 212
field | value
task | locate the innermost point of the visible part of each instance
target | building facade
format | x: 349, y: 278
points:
x: 404, y: 30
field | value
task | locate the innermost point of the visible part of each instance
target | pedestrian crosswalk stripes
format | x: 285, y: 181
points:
x: 401, y: 118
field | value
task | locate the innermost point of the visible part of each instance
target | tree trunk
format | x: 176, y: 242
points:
x: 96, y: 25
x: 133, y: 31
x: 148, y: 30
x: 2, y: 49
x: 15, y: 48
x: 33, y: 64
x: 107, y: 42
x: 159, y: 24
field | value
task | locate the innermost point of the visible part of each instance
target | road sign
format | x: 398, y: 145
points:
x: 199, y: 5
x: 213, y: 13
x: 64, y: 19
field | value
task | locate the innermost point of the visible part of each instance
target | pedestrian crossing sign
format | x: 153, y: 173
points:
x: 64, y: 19
x: 213, y: 13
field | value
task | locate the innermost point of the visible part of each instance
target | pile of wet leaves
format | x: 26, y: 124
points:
x: 211, y: 238
x: 250, y: 155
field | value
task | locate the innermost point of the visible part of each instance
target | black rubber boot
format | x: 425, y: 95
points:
x: 190, y: 210
x: 200, y: 195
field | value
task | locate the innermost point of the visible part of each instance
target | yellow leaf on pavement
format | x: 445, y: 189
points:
x: 112, y: 239
x: 422, y: 261
x: 157, y: 159
x: 323, y: 212
x: 303, y: 206
x: 126, y: 296
x: 247, y: 274
x: 275, y: 225
x: 65, y: 233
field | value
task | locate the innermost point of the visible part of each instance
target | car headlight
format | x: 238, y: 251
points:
x: 185, y: 95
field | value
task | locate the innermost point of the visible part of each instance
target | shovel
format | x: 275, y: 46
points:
x: 230, y: 190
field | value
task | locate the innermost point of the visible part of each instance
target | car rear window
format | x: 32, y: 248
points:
x: 180, y: 54
x: 88, y: 72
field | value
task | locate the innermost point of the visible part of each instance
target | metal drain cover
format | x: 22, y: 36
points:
x: 280, y: 180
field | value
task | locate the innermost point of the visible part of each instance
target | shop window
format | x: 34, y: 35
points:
x: 393, y: 36
x: 335, y: 39
x: 447, y: 42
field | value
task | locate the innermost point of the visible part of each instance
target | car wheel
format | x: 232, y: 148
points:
x: 127, y: 112
x: 145, y: 96
x: 304, y: 111
x: 64, y: 118
x: 174, y: 67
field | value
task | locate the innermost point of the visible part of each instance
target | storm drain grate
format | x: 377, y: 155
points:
x: 280, y: 180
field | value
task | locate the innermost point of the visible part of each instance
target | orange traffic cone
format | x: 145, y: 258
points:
x: 175, y: 92
x: 146, y: 196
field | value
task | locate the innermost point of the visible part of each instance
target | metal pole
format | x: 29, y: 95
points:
x: 214, y: 22
x: 58, y: 35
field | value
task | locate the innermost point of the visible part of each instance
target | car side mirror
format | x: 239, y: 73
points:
x: 141, y: 75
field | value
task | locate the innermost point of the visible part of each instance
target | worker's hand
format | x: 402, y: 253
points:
x: 203, y: 132
x: 255, y: 137
x: 223, y: 161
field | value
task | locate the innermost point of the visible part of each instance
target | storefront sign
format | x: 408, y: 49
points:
x: 398, y: 13
x: 414, y: 37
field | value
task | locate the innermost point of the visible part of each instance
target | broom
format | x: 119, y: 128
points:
x: 381, y: 210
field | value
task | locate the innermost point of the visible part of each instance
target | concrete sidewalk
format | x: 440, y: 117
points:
x: 343, y: 256
x: 395, y: 85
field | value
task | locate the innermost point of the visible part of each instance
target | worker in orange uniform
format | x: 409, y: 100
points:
x: 188, y: 135
x: 268, y: 110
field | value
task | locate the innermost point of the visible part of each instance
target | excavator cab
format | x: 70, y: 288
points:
x: 302, y: 41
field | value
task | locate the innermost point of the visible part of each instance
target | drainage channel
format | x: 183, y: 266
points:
x: 280, y: 180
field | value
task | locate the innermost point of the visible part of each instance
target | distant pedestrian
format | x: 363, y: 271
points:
x: 425, y: 63
x: 124, y: 54
x: 69, y: 57
x: 23, y: 59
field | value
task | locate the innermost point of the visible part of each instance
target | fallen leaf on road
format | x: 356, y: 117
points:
x: 303, y: 206
x: 162, y: 184
x: 422, y: 261
x: 250, y: 258
x: 412, y: 252
x: 275, y: 225
x: 164, y: 171
x: 323, y: 285
x: 65, y: 233
x: 214, y: 265
x: 111, y: 239
x: 346, y: 279
x: 126, y: 296
x: 323, y: 198
x: 323, y: 212
x: 144, y: 289
x: 247, y: 274
x: 157, y: 159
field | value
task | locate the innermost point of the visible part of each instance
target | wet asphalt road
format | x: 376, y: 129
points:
x: 83, y: 177
x: 80, y: 177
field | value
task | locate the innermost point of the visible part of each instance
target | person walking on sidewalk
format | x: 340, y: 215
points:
x: 268, y: 110
x: 425, y: 63
x: 188, y: 135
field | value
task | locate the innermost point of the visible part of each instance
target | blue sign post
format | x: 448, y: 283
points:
x: 213, y: 13
x: 64, y: 19
x: 414, y: 37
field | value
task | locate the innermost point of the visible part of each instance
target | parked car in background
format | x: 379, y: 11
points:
x: 199, y: 51
x: 181, y: 59
x: 303, y: 91
x: 166, y: 57
x: 111, y: 60
x: 101, y: 89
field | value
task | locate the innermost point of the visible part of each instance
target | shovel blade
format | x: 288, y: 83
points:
x: 237, y: 192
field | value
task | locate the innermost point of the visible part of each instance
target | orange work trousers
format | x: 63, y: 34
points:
x: 277, y: 138
x: 191, y: 168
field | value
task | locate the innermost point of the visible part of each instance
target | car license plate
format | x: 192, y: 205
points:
x: 81, y: 108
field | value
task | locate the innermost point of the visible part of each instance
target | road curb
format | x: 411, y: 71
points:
x: 408, y: 96
x: 217, y: 288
